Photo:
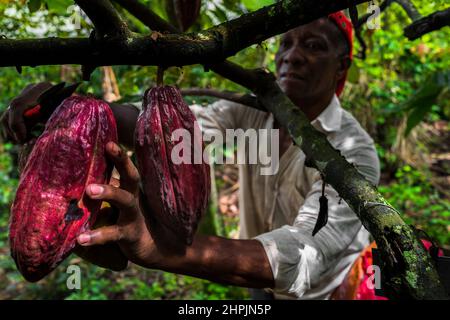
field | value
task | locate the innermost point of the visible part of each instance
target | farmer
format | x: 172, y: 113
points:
x: 276, y: 250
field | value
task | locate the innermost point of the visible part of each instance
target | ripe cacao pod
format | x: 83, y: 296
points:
x: 177, y: 193
x: 183, y: 13
x: 50, y: 208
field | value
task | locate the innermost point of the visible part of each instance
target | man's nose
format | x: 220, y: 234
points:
x: 294, y: 56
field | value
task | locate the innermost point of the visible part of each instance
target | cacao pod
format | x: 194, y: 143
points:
x: 50, y: 208
x: 177, y: 193
x: 183, y: 13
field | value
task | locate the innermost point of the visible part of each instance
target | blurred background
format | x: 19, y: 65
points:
x: 399, y: 93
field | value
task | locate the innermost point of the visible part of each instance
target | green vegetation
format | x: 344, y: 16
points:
x: 399, y: 93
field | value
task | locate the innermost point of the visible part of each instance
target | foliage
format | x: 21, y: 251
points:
x: 379, y: 91
x: 419, y: 203
x: 422, y: 102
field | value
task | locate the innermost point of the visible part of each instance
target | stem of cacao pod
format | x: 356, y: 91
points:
x: 160, y: 76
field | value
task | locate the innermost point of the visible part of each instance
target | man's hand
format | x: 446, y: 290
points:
x: 12, y: 120
x: 131, y: 231
x: 149, y: 244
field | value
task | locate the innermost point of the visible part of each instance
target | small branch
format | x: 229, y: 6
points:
x: 410, y: 9
x: 428, y: 24
x: 358, y: 26
x: 364, y: 18
x: 160, y: 76
x: 407, y: 6
x: 147, y: 16
x: 104, y: 16
x: 241, y: 98
x: 362, y: 52
x: 107, y: 23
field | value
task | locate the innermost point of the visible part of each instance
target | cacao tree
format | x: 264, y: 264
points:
x: 410, y: 269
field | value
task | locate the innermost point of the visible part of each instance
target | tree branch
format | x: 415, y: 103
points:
x: 147, y: 16
x: 209, y: 46
x: 410, y: 9
x: 241, y: 98
x: 428, y: 24
x: 104, y: 16
x: 134, y: 50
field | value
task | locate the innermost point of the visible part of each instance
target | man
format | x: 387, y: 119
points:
x: 277, y: 213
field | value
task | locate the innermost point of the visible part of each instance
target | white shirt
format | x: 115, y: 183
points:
x: 281, y: 210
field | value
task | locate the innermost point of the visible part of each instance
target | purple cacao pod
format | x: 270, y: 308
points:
x: 50, y: 208
x: 176, y: 193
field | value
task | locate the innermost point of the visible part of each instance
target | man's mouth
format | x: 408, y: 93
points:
x: 290, y: 75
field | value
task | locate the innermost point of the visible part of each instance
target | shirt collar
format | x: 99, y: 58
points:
x: 330, y: 118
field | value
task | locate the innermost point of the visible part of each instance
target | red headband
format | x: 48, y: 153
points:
x: 345, y: 25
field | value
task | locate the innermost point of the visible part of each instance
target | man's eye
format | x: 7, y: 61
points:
x: 313, y: 45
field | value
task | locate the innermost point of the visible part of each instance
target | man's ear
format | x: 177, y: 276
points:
x: 344, y: 64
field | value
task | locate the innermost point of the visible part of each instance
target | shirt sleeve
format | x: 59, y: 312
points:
x: 220, y: 115
x: 300, y: 261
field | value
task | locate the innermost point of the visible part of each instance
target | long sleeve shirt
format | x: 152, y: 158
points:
x: 280, y: 210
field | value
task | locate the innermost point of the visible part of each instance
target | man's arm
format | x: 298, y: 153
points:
x: 237, y: 262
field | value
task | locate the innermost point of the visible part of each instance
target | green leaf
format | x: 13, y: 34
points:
x: 353, y: 74
x: 256, y: 4
x: 34, y: 5
x: 416, y: 116
x: 422, y: 102
x: 59, y: 6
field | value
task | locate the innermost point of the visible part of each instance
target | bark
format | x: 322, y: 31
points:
x: 105, y: 18
x: 410, y: 9
x: 428, y: 24
x: 146, y: 16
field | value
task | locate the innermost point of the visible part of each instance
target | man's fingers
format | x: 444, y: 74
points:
x: 100, y: 236
x: 129, y: 175
x: 120, y: 198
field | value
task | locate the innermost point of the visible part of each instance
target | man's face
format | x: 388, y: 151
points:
x: 309, y: 61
